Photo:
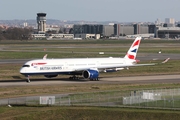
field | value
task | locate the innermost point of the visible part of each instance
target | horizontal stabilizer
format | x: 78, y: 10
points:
x: 45, y: 57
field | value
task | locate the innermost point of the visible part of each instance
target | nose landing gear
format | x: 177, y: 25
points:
x: 28, y: 80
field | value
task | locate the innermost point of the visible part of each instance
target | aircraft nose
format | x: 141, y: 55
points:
x: 22, y: 70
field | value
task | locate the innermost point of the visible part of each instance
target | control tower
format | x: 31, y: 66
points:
x: 41, y: 21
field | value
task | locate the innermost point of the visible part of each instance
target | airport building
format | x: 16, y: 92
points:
x: 88, y: 29
x: 96, y: 30
x: 87, y: 36
x: 59, y: 36
x: 108, y: 30
x: 140, y: 29
x: 151, y: 28
x: 167, y: 32
x: 123, y: 29
x: 41, y: 22
x: 38, y: 36
x: 170, y: 20
x: 52, y: 36
x: 105, y: 31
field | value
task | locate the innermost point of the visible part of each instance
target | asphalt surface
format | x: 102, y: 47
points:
x: 110, y: 80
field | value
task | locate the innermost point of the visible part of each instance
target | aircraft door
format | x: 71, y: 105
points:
x: 97, y: 64
x: 66, y: 66
x: 124, y: 62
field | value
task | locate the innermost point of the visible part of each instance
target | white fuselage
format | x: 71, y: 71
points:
x: 60, y: 66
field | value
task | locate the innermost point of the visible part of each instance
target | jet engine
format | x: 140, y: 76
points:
x: 91, y: 74
x: 50, y: 76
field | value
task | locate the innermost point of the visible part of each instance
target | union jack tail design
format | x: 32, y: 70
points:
x: 132, y: 52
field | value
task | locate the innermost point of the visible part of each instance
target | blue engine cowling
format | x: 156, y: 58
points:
x: 91, y: 74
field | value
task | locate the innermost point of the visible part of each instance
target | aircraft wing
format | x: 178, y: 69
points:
x: 84, y: 68
x: 142, y: 64
x: 109, y: 67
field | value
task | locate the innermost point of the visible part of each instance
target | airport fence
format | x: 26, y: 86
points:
x: 159, y: 98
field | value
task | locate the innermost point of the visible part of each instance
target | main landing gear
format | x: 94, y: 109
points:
x: 96, y: 79
x: 74, y: 78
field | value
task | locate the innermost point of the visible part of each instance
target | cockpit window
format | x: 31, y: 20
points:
x: 26, y: 66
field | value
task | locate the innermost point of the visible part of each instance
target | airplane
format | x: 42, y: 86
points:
x: 88, y: 68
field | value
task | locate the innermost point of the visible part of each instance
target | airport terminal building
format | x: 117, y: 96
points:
x: 89, y: 31
x: 130, y: 29
x: 115, y: 30
x: 167, y: 32
x: 94, y: 30
x: 98, y: 31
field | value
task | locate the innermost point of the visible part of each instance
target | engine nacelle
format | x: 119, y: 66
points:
x: 91, y: 74
x: 50, y: 76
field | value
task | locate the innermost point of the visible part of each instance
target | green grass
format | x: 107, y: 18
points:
x: 40, y: 112
x: 55, y: 49
x: 55, y: 54
x: 102, y: 41
x: 78, y: 53
x: 161, y: 104
x: 113, y: 49
x: 85, y: 113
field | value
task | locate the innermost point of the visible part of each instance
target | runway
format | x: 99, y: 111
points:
x: 105, y: 80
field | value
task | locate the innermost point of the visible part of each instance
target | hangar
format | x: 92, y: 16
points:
x: 167, y: 32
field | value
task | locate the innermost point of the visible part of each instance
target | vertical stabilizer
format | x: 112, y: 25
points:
x: 132, y: 52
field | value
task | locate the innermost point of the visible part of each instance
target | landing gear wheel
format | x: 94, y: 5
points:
x: 28, y: 81
x: 96, y: 79
x: 74, y: 78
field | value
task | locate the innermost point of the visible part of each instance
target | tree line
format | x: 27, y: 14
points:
x: 15, y: 33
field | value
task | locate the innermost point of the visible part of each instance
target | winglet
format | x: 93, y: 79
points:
x: 166, y: 60
x: 45, y: 56
x: 132, y: 52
